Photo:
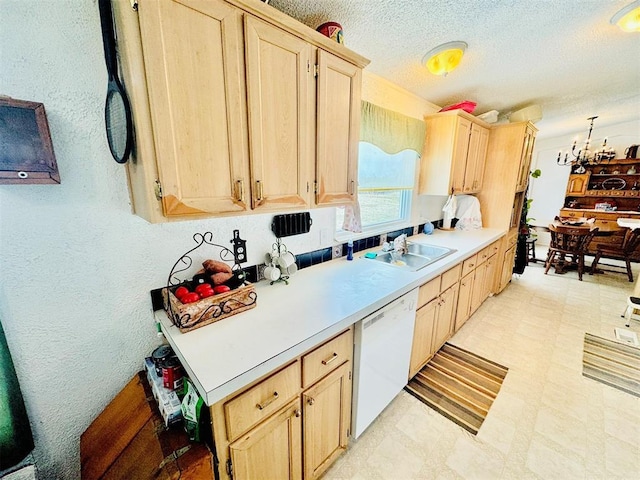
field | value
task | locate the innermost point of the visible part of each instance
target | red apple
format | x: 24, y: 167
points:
x: 180, y: 291
x: 221, y: 289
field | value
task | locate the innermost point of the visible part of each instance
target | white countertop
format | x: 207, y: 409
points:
x: 288, y: 320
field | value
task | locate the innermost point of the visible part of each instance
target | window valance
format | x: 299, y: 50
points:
x: 390, y: 131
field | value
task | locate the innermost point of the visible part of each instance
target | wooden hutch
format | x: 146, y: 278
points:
x: 605, y: 191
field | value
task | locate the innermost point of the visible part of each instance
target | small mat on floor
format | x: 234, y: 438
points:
x: 459, y: 385
x: 612, y: 363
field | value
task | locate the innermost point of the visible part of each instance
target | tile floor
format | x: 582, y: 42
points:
x: 548, y: 421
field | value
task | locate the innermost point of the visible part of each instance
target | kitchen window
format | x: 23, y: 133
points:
x: 385, y: 189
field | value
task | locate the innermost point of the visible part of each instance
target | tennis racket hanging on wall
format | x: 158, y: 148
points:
x: 117, y: 110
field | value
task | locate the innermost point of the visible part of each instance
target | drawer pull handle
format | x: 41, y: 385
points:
x: 311, y: 401
x: 297, y: 413
x: 267, y: 402
x: 330, y: 359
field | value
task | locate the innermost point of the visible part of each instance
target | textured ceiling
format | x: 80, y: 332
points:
x: 561, y: 54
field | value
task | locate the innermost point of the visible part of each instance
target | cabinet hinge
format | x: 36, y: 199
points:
x: 315, y: 70
x: 349, y: 374
x: 229, y: 469
x: 315, y: 187
x: 134, y: 4
x: 157, y: 188
x: 348, y: 432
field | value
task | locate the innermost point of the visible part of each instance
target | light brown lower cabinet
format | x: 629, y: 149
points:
x: 435, y: 319
x: 464, y: 300
x: 271, y: 450
x: 326, y: 418
x: 445, y: 317
x: 291, y: 424
x: 507, y: 268
x: 483, y: 282
x: 422, y: 350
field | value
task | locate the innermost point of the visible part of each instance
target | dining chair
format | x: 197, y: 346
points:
x: 619, y: 251
x: 568, y: 241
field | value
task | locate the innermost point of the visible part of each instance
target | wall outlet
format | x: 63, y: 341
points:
x: 337, y: 251
x: 260, y: 271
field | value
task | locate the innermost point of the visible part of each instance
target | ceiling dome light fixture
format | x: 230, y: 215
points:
x: 444, y: 58
x: 628, y: 19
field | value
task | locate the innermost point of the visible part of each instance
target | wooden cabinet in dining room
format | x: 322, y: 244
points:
x: 243, y: 109
x: 454, y: 154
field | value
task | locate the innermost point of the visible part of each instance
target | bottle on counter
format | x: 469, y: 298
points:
x: 350, y: 250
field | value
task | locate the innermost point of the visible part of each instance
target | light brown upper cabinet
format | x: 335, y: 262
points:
x: 338, y: 129
x: 281, y: 101
x: 525, y: 158
x: 193, y: 56
x: 506, y: 178
x: 238, y: 108
x: 454, y: 154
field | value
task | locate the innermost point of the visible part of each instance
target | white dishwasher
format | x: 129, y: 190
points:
x: 382, y: 354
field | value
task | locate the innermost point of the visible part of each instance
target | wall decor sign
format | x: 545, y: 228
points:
x: 26, y: 151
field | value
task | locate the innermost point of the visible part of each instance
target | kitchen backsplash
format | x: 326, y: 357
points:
x: 307, y: 259
x: 315, y: 257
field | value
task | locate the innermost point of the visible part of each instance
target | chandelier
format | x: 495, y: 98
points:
x: 584, y: 156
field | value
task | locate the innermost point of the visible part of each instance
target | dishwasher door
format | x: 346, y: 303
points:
x: 382, y: 354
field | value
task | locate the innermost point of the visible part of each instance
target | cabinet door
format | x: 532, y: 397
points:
x: 281, y: 99
x: 195, y: 74
x: 421, y: 349
x: 507, y: 267
x: 577, y: 184
x: 489, y: 277
x: 326, y: 413
x: 525, y: 159
x: 477, y: 294
x: 338, y: 129
x: 460, y: 153
x: 474, y: 172
x: 271, y: 450
x: 445, y: 317
x: 464, y: 300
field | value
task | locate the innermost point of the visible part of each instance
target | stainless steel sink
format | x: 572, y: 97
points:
x: 419, y: 256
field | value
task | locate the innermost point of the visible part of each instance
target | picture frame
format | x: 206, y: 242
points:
x: 26, y: 150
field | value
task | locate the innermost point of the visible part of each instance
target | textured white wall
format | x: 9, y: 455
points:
x: 548, y: 191
x: 76, y: 266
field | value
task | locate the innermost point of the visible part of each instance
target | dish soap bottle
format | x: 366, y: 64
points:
x: 350, y: 250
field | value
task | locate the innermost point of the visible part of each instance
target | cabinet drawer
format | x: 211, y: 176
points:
x: 483, y: 254
x: 469, y: 265
x: 428, y: 291
x: 326, y: 358
x: 261, y: 400
x: 450, y: 277
x: 494, y: 247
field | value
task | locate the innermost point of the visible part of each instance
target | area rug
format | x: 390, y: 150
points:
x: 612, y: 363
x: 459, y: 385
